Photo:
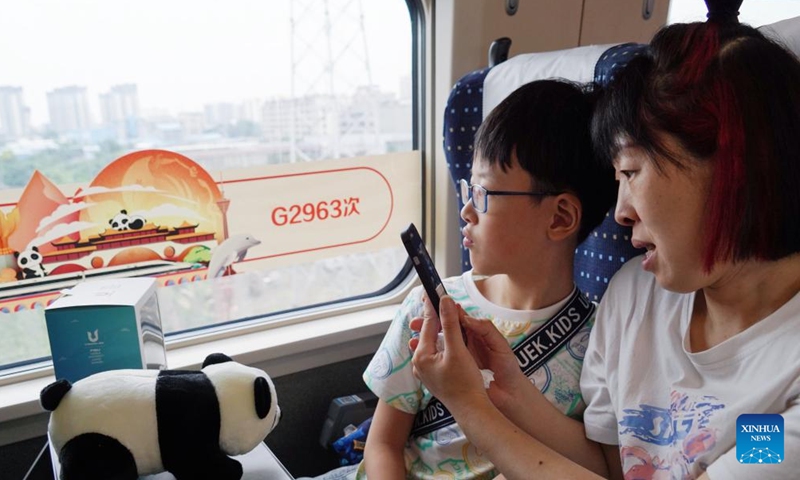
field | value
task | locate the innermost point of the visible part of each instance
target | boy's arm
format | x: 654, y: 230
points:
x: 388, y: 433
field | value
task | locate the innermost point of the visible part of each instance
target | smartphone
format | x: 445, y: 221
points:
x: 426, y: 271
x: 423, y: 265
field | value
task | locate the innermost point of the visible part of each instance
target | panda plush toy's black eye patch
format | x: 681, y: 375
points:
x: 263, y: 398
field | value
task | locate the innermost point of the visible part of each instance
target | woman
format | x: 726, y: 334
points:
x: 704, y: 135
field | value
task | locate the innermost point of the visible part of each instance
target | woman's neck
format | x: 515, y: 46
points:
x: 746, y: 294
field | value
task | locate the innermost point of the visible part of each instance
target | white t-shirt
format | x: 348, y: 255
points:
x: 673, y: 413
x: 446, y: 453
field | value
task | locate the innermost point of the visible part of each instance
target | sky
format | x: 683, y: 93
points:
x: 183, y: 54
x: 186, y: 53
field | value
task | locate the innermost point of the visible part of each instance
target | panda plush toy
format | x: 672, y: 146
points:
x: 121, y: 424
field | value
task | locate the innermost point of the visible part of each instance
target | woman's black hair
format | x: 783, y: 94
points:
x: 717, y: 92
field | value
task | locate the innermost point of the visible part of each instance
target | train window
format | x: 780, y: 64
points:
x: 257, y: 158
x: 752, y: 12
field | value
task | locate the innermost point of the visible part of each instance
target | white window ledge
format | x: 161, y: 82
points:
x: 277, y: 350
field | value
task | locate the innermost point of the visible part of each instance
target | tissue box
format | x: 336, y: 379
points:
x: 105, y: 325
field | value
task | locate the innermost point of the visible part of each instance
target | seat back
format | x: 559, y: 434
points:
x: 478, y: 92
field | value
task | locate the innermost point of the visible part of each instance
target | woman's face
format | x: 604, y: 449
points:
x: 666, y: 210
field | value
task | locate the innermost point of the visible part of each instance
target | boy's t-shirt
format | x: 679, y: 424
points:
x: 447, y: 452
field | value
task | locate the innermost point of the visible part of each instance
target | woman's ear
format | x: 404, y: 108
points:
x: 566, y: 220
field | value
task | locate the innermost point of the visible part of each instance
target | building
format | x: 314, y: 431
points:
x: 219, y: 114
x: 310, y: 124
x: 119, y: 111
x: 192, y: 123
x: 69, y: 110
x: 14, y: 115
x: 316, y: 127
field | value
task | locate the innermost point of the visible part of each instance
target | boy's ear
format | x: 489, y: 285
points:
x: 566, y: 220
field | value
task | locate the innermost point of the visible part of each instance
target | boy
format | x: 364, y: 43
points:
x: 535, y: 193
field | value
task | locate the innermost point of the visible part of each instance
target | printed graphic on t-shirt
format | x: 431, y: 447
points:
x: 577, y: 346
x: 664, y: 443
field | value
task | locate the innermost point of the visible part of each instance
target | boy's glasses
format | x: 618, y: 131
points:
x: 480, y: 195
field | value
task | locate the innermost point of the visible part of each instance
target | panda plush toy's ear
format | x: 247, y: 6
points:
x: 216, y: 358
x: 52, y: 394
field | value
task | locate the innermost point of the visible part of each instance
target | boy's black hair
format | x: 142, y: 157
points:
x: 546, y: 123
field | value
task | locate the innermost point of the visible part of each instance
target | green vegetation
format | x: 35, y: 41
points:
x: 198, y: 254
x: 69, y: 163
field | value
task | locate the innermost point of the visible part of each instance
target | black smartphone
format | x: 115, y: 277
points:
x: 423, y: 264
x: 425, y: 268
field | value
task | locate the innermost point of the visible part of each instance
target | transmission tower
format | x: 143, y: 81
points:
x: 329, y: 72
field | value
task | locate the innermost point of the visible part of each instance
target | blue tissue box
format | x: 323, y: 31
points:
x: 105, y: 325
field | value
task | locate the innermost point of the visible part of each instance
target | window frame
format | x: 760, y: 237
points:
x: 398, y: 286
x: 349, y: 327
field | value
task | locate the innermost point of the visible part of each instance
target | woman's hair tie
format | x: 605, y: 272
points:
x: 723, y: 11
